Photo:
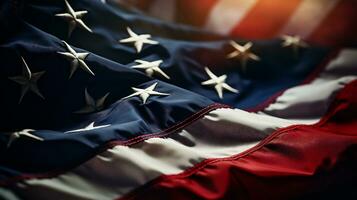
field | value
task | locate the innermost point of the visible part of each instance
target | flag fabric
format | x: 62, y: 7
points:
x: 324, y: 22
x: 100, y: 101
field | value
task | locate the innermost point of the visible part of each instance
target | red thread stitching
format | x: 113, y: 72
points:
x: 111, y: 144
x: 172, y: 129
x: 190, y: 171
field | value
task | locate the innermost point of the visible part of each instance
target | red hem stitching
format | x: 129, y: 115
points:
x: 189, y: 120
x: 171, y: 129
x: 190, y: 171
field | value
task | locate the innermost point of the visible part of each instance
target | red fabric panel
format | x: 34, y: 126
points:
x: 193, y: 12
x: 339, y: 28
x: 266, y: 19
x: 297, y: 162
x: 140, y: 4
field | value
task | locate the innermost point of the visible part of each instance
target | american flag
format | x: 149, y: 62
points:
x: 215, y: 99
x: 323, y: 22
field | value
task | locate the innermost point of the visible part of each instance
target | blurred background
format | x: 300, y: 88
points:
x: 324, y: 22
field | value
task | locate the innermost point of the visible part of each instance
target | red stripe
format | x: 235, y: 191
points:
x: 193, y: 12
x: 339, y: 28
x: 142, y: 4
x: 301, y: 161
x: 266, y: 19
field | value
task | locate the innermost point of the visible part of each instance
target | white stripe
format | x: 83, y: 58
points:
x: 312, y: 100
x: 121, y: 169
x: 221, y: 133
x: 226, y: 14
x: 6, y: 194
x: 163, y: 9
x: 344, y: 64
x: 289, y: 105
x: 308, y: 17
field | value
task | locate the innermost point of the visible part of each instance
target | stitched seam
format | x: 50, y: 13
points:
x: 174, y: 128
x: 190, y: 171
x: 188, y: 120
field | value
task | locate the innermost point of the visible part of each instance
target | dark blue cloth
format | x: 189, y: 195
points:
x: 53, y: 116
x: 30, y: 29
x: 185, y: 51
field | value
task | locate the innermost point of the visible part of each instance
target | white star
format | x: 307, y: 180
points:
x: 73, y: 18
x: 138, y: 40
x: 218, y: 82
x: 144, y: 94
x: 76, y: 59
x: 89, y: 127
x: 28, y: 80
x: 295, y: 42
x: 243, y: 53
x: 26, y: 132
x: 92, y: 105
x: 150, y: 67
